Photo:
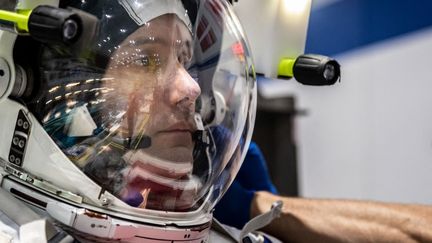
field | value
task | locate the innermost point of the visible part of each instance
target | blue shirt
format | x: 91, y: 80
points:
x: 234, y: 207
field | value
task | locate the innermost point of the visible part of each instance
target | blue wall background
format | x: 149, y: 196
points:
x: 369, y: 136
x: 348, y: 24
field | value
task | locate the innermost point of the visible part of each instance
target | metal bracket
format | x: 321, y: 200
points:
x: 21, y: 175
x: 19, y: 139
x: 5, y: 76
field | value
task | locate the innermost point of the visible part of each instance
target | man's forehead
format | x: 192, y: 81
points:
x: 166, y: 22
x: 164, y: 30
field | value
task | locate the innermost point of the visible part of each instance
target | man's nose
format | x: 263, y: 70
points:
x: 185, y: 90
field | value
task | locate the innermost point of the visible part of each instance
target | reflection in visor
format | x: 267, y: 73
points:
x: 163, y: 124
x: 149, y: 67
x: 150, y: 184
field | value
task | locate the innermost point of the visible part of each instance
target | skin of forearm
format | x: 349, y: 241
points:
x: 318, y: 220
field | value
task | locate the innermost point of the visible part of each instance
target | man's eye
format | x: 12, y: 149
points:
x: 147, y: 61
x: 184, y: 60
x: 142, y: 61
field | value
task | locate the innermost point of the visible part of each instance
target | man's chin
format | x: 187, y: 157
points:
x: 178, y: 154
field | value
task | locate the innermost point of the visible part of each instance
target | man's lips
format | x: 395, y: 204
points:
x: 175, y: 132
x: 176, y: 135
x: 179, y: 127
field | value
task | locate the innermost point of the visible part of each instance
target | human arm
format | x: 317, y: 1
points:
x: 318, y: 220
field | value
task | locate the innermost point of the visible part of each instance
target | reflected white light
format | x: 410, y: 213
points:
x: 295, y: 6
x: 96, y: 89
x: 71, y: 103
x: 95, y: 102
x: 120, y: 115
x: 57, y: 97
x: 72, y: 84
x: 89, y: 81
x: 49, y: 101
x: 46, y: 118
x: 53, y: 89
x: 114, y: 128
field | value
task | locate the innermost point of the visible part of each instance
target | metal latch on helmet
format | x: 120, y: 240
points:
x: 38, y: 183
x: 19, y: 139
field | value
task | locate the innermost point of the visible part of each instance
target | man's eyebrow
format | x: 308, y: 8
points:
x: 147, y: 41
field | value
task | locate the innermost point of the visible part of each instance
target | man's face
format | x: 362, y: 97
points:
x: 148, y: 69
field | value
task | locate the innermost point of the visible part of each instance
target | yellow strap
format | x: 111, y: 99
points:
x: 285, y: 67
x: 20, y: 18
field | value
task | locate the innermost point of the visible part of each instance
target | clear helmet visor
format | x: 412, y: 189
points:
x: 158, y: 108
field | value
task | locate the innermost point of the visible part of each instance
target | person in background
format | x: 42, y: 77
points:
x: 319, y: 220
